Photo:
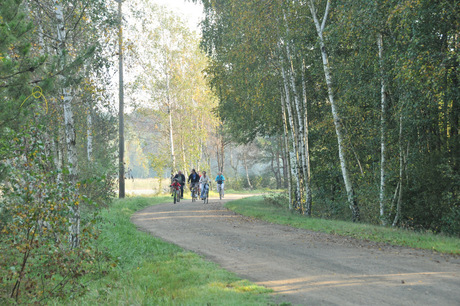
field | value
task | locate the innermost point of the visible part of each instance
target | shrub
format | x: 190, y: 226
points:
x: 39, y: 209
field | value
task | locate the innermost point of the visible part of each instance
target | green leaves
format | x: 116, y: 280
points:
x: 36, y: 209
x: 419, y: 65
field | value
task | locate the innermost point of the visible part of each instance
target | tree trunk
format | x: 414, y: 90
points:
x: 220, y: 146
x: 278, y: 168
x: 401, y: 173
x: 337, y: 120
x: 247, y: 171
x: 171, y: 139
x: 286, y: 153
x: 296, y: 166
x: 300, y: 122
x: 121, y: 126
x: 70, y: 133
x: 308, y: 200
x: 382, y: 129
x: 89, y: 134
x: 272, y: 166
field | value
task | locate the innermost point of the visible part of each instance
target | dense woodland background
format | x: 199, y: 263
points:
x: 349, y: 108
x: 365, y: 94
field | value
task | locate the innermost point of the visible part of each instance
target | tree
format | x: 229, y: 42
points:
x: 379, y: 82
x: 171, y: 91
x: 43, y: 186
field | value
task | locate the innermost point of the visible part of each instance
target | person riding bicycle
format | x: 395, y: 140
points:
x: 181, y: 179
x: 193, y: 179
x: 220, y: 179
x: 175, y: 185
x: 204, y: 184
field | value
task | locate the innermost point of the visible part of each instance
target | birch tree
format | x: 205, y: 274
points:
x: 68, y: 120
x: 383, y: 104
x: 337, y: 120
x: 171, y: 85
x: 121, y: 107
x: 387, y: 65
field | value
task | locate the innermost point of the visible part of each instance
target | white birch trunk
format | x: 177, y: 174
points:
x: 89, y: 134
x: 171, y: 140
x: 293, y: 135
x: 70, y: 134
x: 337, y: 121
x: 299, y: 137
x: 401, y: 173
x: 246, y: 169
x: 382, y: 130
x: 184, y: 161
x: 171, y: 135
x: 121, y: 122
x: 308, y: 195
x: 286, y: 151
x: 300, y: 122
x: 59, y: 158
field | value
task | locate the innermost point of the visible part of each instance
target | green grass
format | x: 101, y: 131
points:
x: 258, y: 208
x: 153, y: 272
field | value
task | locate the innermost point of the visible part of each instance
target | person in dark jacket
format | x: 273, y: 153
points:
x: 193, y: 179
x: 181, y: 179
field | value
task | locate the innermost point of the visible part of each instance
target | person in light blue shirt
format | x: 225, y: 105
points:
x: 220, y: 180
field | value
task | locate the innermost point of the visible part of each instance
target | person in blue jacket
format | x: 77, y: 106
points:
x: 220, y: 180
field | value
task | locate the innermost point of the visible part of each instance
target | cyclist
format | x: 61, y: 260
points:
x: 193, y: 179
x: 181, y: 179
x: 175, y: 185
x: 220, y: 179
x: 204, y: 182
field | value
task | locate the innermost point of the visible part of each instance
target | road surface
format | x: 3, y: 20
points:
x: 305, y: 267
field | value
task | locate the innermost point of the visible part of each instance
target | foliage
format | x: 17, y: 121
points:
x: 17, y: 62
x: 42, y: 206
x: 151, y: 271
x: 173, y: 122
x: 37, y: 260
x: 417, y: 70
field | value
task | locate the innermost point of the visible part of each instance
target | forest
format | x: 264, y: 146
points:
x: 58, y: 142
x: 351, y: 106
x: 365, y: 95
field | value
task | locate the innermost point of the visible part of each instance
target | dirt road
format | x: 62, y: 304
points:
x: 304, y: 267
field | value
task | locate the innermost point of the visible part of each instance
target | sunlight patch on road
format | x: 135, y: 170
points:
x: 313, y: 283
x: 175, y: 212
x: 184, y: 217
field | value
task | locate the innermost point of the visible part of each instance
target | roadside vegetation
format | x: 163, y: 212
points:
x: 149, y: 271
x: 272, y: 209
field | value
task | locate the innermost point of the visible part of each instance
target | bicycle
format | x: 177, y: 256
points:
x: 206, y: 194
x: 176, y: 194
x: 194, y: 191
x: 221, y: 191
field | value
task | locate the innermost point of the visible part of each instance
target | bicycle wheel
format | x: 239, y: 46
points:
x: 220, y: 192
x: 178, y: 196
x: 207, y: 197
x: 193, y: 195
x: 175, y: 197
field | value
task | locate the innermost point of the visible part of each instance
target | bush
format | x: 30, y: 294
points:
x: 277, y: 199
x: 45, y: 248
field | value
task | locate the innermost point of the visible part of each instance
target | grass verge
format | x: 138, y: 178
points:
x: 258, y: 208
x: 153, y: 272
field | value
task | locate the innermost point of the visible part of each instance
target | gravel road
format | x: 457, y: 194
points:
x: 305, y: 267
